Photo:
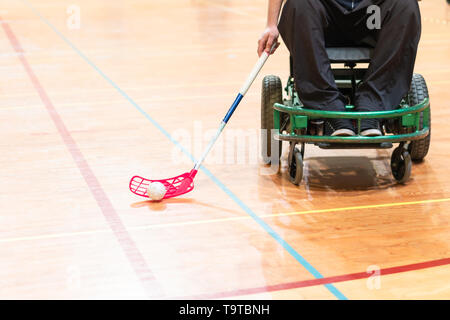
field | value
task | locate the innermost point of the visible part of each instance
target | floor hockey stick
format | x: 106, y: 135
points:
x: 185, y: 182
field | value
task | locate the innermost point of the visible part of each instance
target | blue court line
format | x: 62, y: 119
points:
x: 239, y: 202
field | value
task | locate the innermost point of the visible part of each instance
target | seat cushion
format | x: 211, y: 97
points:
x: 349, y: 54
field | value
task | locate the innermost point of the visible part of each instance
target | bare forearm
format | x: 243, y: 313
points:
x: 269, y: 39
x: 273, y: 12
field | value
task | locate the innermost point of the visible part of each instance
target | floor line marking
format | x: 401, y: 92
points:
x: 55, y: 235
x: 224, y: 188
x: 229, y: 219
x: 317, y: 282
x: 371, y: 206
x: 131, y: 251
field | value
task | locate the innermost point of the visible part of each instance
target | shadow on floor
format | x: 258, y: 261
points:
x: 348, y: 173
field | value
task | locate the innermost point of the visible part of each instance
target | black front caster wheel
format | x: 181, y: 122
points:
x: 296, y: 167
x: 401, y: 164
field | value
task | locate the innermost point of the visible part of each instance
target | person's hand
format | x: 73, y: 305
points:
x: 268, y: 38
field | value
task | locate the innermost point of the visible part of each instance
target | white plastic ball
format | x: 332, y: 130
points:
x: 156, y: 191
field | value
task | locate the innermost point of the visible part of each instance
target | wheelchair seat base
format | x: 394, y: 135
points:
x: 349, y: 54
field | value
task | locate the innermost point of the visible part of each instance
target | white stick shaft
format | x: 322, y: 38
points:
x: 210, y: 145
x: 258, y: 66
x: 254, y: 73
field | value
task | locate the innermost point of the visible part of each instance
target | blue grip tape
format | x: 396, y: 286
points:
x: 233, y: 107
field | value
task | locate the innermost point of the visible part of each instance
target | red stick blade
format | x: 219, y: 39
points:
x: 175, y: 186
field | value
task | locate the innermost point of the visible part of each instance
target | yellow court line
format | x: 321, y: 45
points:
x: 372, y: 206
x: 55, y: 235
x: 246, y: 217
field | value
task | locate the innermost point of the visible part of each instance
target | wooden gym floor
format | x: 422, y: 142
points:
x: 83, y: 109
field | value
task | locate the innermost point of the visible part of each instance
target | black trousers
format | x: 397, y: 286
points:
x: 308, y: 26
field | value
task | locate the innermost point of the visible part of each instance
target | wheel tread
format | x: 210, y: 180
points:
x: 418, y: 92
x: 271, y: 93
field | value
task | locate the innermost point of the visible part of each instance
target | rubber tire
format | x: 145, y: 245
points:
x: 296, y: 168
x: 418, y: 92
x: 271, y: 93
x: 401, y: 165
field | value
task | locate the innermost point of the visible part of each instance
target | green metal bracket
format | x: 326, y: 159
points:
x: 276, y: 119
x: 299, y: 122
x: 409, y: 120
x: 426, y: 117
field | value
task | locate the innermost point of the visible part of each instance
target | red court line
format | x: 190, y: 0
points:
x: 127, y: 244
x: 320, y: 281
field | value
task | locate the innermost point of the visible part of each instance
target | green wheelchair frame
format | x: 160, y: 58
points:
x: 408, y: 125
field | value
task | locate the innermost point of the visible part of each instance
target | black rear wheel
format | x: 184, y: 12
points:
x: 418, y: 92
x: 271, y: 93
